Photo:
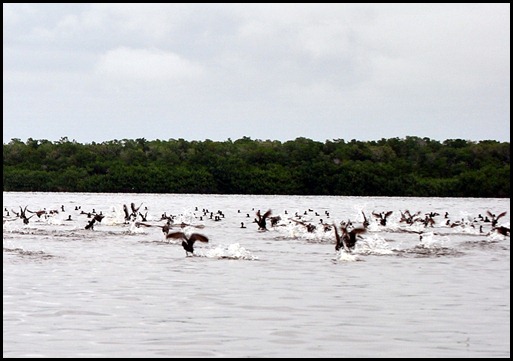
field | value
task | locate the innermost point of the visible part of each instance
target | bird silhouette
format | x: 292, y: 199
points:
x: 501, y: 230
x: 309, y: 227
x: 382, y: 217
x: 90, y: 224
x: 127, y: 214
x: 98, y: 217
x: 38, y: 213
x: 261, y: 220
x: 188, y: 242
x: 134, y: 208
x: 365, y: 220
x: 348, y: 237
x: 495, y: 218
x: 408, y: 218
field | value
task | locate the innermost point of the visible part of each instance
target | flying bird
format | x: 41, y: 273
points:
x: 188, y: 242
x: 382, y: 217
x: 495, y: 218
x: 348, y: 238
x: 365, y: 221
x: 309, y: 227
x: 134, y: 208
x: 261, y: 220
x: 501, y: 230
x: 127, y: 214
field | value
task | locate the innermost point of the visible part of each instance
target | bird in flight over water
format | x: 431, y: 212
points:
x: 348, y: 238
x: 261, y: 220
x: 188, y: 241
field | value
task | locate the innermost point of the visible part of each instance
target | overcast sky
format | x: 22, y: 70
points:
x: 99, y: 72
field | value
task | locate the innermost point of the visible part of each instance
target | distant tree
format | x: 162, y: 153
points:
x: 411, y: 166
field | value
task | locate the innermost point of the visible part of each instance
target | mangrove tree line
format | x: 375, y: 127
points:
x: 410, y: 166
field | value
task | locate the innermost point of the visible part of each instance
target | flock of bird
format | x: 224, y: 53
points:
x: 346, y: 233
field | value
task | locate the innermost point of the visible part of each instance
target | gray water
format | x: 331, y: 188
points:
x: 125, y: 291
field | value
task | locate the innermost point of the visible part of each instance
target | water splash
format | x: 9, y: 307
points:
x: 135, y: 229
x: 232, y: 251
x: 428, y: 240
x: 431, y: 245
x: 374, y: 244
x: 495, y: 236
x: 344, y: 256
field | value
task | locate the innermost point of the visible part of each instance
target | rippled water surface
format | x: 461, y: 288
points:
x: 120, y: 290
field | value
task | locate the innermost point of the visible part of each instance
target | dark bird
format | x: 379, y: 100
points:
x: 309, y: 227
x: 325, y: 226
x: 90, y: 224
x: 365, y: 221
x: 348, y: 238
x: 274, y: 220
x: 23, y: 215
x: 165, y: 228
x: 408, y: 218
x: 134, y: 209
x: 144, y: 216
x: 261, y: 220
x: 127, y: 214
x: 38, y: 213
x: 188, y: 242
x: 382, y: 217
x: 140, y: 224
x: 26, y: 220
x: 495, y: 218
x: 428, y: 220
x: 501, y: 230
x: 98, y: 217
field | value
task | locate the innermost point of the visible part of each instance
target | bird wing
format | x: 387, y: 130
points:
x: 502, y: 230
x: 388, y: 213
x: 337, y: 237
x: 267, y: 214
x: 176, y: 235
x: 198, y: 237
x: 346, y: 247
x: 341, y: 239
x: 501, y: 215
x: 358, y: 230
x: 298, y: 222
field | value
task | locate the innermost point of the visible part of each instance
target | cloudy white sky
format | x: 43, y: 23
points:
x: 99, y: 72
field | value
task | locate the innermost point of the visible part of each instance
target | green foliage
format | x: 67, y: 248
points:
x: 411, y: 166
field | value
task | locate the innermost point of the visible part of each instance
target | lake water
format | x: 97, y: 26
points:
x: 124, y: 291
